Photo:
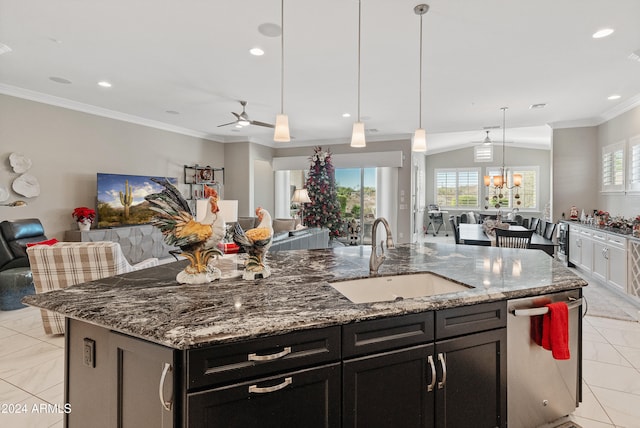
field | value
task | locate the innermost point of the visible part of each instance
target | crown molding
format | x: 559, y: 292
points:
x: 15, y: 91
x: 620, y: 108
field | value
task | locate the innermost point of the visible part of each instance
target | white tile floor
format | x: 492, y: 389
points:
x: 31, y: 373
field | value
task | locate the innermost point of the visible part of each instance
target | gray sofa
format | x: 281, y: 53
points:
x: 288, y: 236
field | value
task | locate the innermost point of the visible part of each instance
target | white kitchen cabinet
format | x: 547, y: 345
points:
x: 617, y: 258
x: 610, y: 259
x: 601, y: 254
x: 600, y: 257
x: 581, y: 247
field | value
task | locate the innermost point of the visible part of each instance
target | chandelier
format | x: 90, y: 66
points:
x: 498, y: 184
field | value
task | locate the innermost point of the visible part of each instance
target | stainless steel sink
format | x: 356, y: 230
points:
x: 396, y: 287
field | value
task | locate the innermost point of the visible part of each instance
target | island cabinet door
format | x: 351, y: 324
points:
x: 308, y: 398
x: 471, y: 388
x: 144, y: 376
x: 390, y: 389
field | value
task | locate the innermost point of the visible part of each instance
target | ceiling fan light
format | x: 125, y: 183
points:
x: 281, y: 133
x: 244, y: 122
x: 357, y: 136
x: 419, y: 140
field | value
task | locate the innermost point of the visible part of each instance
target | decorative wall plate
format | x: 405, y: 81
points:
x: 26, y: 185
x: 19, y: 163
x: 4, y: 194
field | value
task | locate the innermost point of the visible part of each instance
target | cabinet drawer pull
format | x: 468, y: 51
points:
x: 433, y: 373
x: 258, y: 390
x: 256, y: 357
x: 165, y: 403
x: 443, y: 363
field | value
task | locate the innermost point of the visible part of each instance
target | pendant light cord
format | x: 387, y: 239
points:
x: 282, y: 57
x: 359, y: 42
x: 420, y: 78
x: 504, y: 171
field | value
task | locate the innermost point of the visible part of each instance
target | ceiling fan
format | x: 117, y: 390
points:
x: 242, y: 119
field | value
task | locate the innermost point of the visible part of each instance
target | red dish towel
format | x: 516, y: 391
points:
x: 536, y: 329
x: 555, y: 330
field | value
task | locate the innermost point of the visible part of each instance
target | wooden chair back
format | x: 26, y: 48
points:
x: 513, y: 238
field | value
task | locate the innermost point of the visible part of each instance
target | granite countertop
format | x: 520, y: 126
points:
x: 149, y: 304
x: 627, y: 233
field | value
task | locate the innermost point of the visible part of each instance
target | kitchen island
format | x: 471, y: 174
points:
x: 142, y: 348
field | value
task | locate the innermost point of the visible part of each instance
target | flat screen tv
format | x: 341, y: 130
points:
x: 121, y: 199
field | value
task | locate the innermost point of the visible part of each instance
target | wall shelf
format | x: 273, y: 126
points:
x: 197, y: 176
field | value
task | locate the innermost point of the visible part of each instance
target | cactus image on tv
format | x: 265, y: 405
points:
x: 121, y: 199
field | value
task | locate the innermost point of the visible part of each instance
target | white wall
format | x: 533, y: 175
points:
x: 68, y: 148
x: 575, y: 166
x: 620, y: 128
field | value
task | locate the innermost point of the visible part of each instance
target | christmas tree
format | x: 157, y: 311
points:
x: 324, y: 209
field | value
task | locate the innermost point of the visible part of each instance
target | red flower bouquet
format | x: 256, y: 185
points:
x: 83, y: 214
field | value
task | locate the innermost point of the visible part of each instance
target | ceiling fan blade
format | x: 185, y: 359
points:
x: 230, y: 123
x: 236, y: 115
x: 258, y: 123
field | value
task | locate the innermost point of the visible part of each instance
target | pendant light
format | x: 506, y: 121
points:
x: 487, y: 140
x: 420, y: 136
x: 281, y: 133
x: 357, y: 136
x: 498, y: 183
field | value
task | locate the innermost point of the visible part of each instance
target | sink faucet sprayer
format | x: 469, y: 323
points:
x: 376, y: 260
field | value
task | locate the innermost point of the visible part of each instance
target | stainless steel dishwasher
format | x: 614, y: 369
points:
x: 541, y: 389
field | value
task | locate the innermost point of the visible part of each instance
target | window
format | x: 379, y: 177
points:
x: 527, y: 193
x: 483, y: 153
x: 457, y: 188
x: 613, y: 168
x: 634, y: 164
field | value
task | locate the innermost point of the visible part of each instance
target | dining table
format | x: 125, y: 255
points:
x: 474, y: 234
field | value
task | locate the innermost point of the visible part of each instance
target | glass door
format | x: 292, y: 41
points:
x: 356, y: 188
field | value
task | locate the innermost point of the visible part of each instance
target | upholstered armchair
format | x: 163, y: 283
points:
x: 69, y: 263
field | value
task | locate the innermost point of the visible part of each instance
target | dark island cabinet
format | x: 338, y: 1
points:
x: 431, y: 369
x: 306, y: 398
x: 455, y: 380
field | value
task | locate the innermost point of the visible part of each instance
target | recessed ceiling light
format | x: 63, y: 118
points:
x: 235, y: 130
x: 602, y: 33
x: 60, y: 80
x: 270, y: 29
x: 256, y: 51
x: 346, y: 114
x: 614, y: 97
x: 537, y: 106
x: 172, y: 112
x: 104, y: 84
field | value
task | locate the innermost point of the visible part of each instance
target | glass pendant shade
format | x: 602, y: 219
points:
x: 419, y: 140
x: 497, y: 180
x: 487, y: 180
x: 281, y: 133
x: 517, y: 179
x: 357, y: 137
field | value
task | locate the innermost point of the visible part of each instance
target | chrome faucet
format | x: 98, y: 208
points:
x: 376, y: 260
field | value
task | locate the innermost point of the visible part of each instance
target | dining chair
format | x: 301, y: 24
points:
x: 513, y: 238
x: 534, y: 224
x: 455, y: 228
x: 549, y: 230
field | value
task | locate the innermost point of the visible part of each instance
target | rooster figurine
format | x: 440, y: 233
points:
x: 256, y: 243
x: 198, y: 240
